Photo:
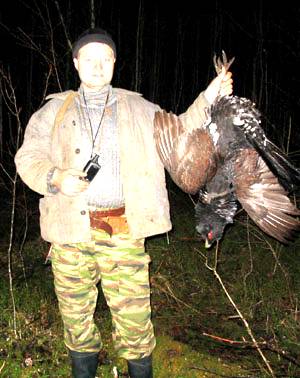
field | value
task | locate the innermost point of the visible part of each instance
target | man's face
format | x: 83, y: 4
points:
x: 95, y: 65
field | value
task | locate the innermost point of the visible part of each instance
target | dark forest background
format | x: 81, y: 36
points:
x: 164, y: 51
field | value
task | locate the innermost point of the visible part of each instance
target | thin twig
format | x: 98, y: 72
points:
x: 63, y: 24
x: 9, y: 94
x: 249, y: 331
x: 251, y: 257
x: 193, y: 202
x: 1, y: 368
x: 263, y: 344
x: 23, y: 240
x: 169, y: 291
x: 52, y: 49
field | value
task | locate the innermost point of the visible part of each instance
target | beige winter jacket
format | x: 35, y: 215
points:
x: 65, y: 219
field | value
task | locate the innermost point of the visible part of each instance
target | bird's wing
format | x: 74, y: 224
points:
x: 263, y: 198
x: 188, y: 156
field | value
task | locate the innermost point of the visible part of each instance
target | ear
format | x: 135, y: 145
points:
x: 75, y: 61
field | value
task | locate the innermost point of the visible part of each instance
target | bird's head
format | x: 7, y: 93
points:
x: 210, y: 223
x: 211, y: 231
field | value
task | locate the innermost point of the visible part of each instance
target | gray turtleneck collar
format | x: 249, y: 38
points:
x: 96, y: 98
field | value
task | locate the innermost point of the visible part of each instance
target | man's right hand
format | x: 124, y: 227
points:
x: 68, y: 181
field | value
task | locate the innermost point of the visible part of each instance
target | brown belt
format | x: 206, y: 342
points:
x: 112, y: 221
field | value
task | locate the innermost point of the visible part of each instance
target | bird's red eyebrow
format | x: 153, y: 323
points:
x: 210, y: 235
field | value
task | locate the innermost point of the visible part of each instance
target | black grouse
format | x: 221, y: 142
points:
x: 230, y: 161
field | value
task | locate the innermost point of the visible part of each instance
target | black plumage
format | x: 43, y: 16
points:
x: 230, y: 161
x: 251, y: 171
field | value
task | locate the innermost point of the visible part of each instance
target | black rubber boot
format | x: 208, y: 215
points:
x: 140, y: 368
x: 84, y: 364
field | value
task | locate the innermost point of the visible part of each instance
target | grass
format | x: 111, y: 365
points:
x: 198, y: 331
x: 38, y: 349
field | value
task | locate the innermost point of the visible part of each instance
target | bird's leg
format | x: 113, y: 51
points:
x: 219, y: 62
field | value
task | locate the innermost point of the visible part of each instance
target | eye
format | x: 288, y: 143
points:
x: 210, y: 235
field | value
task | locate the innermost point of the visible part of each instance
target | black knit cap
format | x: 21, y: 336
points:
x: 93, y: 35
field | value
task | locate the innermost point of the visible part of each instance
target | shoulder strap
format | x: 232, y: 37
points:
x: 62, y: 110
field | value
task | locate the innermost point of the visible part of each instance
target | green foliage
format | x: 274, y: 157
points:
x: 199, y: 333
x: 261, y: 276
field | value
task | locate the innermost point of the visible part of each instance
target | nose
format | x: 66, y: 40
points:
x: 98, y: 65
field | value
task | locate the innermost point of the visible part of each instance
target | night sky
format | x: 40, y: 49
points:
x: 173, y: 45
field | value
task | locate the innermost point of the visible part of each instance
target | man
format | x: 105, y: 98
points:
x: 97, y: 225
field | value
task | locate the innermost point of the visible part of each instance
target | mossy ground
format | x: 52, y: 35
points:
x: 199, y: 333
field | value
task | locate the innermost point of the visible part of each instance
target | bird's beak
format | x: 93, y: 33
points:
x: 207, y: 243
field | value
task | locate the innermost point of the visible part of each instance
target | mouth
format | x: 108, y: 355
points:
x: 97, y: 76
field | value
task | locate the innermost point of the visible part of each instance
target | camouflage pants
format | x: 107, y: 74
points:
x: 122, y: 266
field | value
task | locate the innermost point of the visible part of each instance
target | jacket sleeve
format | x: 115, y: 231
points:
x: 33, y: 159
x: 195, y: 116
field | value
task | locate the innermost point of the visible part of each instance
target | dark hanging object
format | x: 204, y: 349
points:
x: 230, y: 161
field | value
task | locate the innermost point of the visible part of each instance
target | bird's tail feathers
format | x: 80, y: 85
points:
x: 287, y: 173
